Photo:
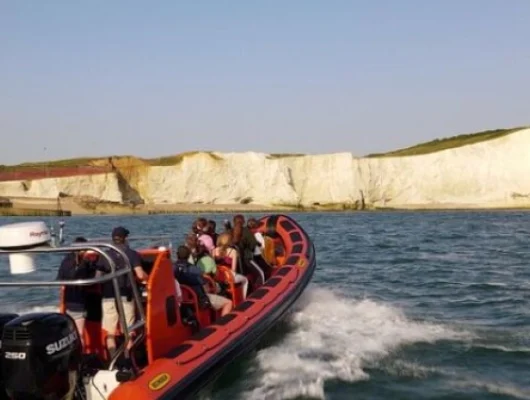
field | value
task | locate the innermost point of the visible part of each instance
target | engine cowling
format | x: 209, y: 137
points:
x: 41, y: 357
x: 4, y: 319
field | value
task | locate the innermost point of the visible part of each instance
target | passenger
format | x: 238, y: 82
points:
x: 252, y: 225
x: 228, y: 256
x: 244, y: 239
x: 207, y: 265
x: 228, y: 227
x: 189, y: 274
x: 211, y: 230
x: 110, y: 314
x: 205, y: 261
x: 201, y: 229
x: 259, y: 250
x: 192, y: 243
x: 237, y: 234
x: 74, y: 267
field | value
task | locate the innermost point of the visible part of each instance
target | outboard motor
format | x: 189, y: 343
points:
x: 41, y: 357
x: 4, y: 319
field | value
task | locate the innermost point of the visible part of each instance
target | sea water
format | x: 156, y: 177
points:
x: 403, y: 305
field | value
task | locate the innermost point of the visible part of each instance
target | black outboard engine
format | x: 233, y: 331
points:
x: 4, y: 319
x: 41, y: 357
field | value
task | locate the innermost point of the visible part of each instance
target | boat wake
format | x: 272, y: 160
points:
x: 333, y: 338
x: 24, y: 309
x: 497, y: 388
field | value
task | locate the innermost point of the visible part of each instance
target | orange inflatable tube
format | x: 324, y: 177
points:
x: 179, y: 361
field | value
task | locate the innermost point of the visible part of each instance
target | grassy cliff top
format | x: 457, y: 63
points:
x: 448, y: 143
x: 105, y: 161
x: 422, y: 148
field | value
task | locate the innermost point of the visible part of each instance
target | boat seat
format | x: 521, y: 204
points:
x: 269, y: 250
x: 163, y: 315
x: 148, y: 262
x: 190, y: 300
x: 234, y: 290
x: 257, y: 276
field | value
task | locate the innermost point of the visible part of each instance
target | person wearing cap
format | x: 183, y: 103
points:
x: 110, y: 317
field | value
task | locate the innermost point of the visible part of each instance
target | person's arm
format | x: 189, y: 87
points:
x: 235, y: 258
x: 136, y: 263
x: 60, y: 271
x: 259, y: 239
x: 253, y: 239
x: 83, y: 270
x: 102, y: 266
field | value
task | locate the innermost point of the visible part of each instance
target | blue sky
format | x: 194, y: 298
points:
x: 156, y: 78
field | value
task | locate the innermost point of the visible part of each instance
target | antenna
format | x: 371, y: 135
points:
x: 61, y: 232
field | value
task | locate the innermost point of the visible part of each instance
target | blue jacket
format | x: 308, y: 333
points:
x: 191, y: 275
x: 70, y: 270
x: 188, y: 274
x: 123, y: 281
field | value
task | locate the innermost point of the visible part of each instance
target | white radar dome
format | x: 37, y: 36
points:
x: 23, y: 235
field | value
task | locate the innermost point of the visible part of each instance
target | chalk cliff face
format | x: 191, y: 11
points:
x: 100, y: 186
x: 490, y: 173
x: 223, y: 179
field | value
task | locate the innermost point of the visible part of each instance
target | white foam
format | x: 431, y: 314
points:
x: 520, y: 349
x: 333, y: 338
x: 499, y: 388
x: 402, y: 368
x: 24, y: 309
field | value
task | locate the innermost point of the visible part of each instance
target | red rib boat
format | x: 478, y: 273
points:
x: 170, y: 358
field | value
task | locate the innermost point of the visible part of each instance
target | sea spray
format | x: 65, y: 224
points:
x: 333, y: 338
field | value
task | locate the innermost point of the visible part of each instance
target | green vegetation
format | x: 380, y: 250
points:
x: 178, y: 158
x: 422, y: 148
x: 100, y: 161
x: 72, y: 162
x: 448, y: 143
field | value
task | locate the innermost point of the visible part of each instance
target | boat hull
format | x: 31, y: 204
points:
x: 198, y: 361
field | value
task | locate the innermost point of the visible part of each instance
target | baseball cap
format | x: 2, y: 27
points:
x: 120, y: 231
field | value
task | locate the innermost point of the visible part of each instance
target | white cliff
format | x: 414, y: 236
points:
x: 493, y: 173
x: 325, y: 179
x: 223, y: 179
x: 100, y: 186
x: 489, y: 173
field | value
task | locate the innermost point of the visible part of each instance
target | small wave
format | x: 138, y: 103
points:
x: 24, y: 309
x: 496, y: 388
x: 487, y: 285
x: 334, y: 338
x: 504, y: 349
x: 402, y: 368
x: 472, y: 300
